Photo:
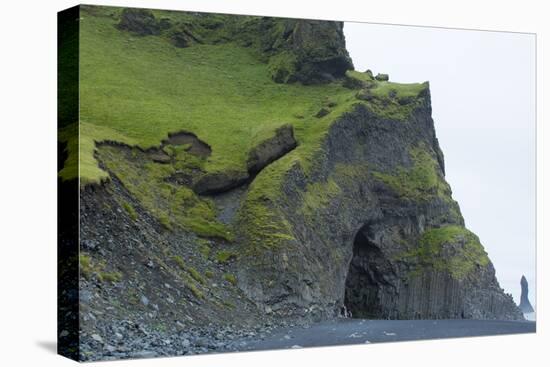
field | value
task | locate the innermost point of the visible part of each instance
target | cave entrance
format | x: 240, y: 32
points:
x: 365, y: 278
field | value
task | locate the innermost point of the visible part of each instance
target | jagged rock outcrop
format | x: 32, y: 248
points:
x: 524, y: 304
x: 139, y: 21
x: 308, y: 51
x: 217, y: 182
x: 297, y: 50
x: 356, y: 231
x: 271, y: 149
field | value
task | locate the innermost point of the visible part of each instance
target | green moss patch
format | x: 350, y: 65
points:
x: 318, y: 195
x: 85, y: 266
x: 109, y: 277
x: 450, y: 248
x: 224, y: 256
x: 194, y: 273
x: 230, y: 278
x: 195, y: 290
x: 179, y: 261
x: 204, y: 248
x: 90, y: 268
x: 358, y: 79
x: 130, y: 210
x: 387, y: 99
x: 282, y: 67
x: 420, y: 182
x: 173, y: 205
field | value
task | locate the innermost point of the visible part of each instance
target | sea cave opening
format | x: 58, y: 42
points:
x: 365, y: 278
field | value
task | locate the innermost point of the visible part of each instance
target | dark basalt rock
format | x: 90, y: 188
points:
x: 271, y: 149
x: 139, y: 21
x: 183, y: 36
x: 524, y: 304
x: 158, y: 155
x: 218, y: 182
x: 355, y: 83
x: 297, y: 50
x: 196, y: 146
x: 322, y: 112
x: 382, y: 77
x: 351, y: 249
x: 365, y: 95
x: 319, y: 50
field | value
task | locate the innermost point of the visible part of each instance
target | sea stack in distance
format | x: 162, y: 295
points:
x: 524, y: 303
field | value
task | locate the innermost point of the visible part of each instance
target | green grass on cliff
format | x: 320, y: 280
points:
x: 450, y: 248
x: 318, y: 195
x: 421, y: 181
x: 173, y: 205
x: 138, y: 89
x: 398, y: 90
x: 387, y: 99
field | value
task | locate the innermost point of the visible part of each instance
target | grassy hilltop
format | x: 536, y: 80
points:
x: 231, y: 81
x: 136, y: 89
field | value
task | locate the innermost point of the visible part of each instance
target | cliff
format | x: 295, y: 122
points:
x: 371, y: 226
x: 238, y: 171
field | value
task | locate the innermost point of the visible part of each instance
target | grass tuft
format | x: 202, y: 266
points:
x: 225, y: 256
x: 130, y: 210
x: 109, y: 277
x: 85, y: 266
x: 230, y: 278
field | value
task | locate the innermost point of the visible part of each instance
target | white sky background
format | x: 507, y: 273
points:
x: 483, y: 104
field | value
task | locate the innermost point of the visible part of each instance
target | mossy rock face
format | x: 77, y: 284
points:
x: 139, y: 21
x: 307, y: 51
x: 320, y: 51
x: 283, y: 67
x: 228, y: 161
x: 271, y: 149
x: 376, y: 195
x: 183, y: 35
x: 358, y: 80
x: 218, y: 182
x: 451, y: 248
x: 322, y: 112
x: 365, y: 95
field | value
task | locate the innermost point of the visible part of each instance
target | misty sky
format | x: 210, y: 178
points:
x: 483, y: 100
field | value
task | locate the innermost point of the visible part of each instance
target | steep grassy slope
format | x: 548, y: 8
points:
x: 142, y: 88
x: 137, y: 89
